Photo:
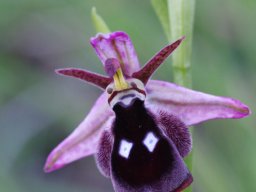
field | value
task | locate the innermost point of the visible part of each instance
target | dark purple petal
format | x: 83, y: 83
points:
x: 192, y: 107
x: 119, y: 46
x: 176, y: 130
x: 83, y: 141
x: 89, y: 77
x: 151, y: 66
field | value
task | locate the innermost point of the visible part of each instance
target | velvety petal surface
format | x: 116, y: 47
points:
x: 176, y: 131
x: 190, y: 106
x: 119, y: 46
x: 176, y: 179
x: 84, y: 139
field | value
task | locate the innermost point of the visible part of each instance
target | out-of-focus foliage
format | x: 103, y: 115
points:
x: 38, y: 109
x: 99, y: 23
x: 161, y: 9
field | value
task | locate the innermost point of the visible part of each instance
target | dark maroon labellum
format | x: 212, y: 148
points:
x: 141, y: 155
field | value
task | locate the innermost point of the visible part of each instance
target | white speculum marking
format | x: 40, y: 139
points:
x: 126, y: 97
x: 150, y: 141
x: 125, y: 148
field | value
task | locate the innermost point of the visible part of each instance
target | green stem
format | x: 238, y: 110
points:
x: 182, y: 76
x: 181, y: 19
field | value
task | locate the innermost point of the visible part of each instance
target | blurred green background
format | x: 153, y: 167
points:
x: 38, y: 109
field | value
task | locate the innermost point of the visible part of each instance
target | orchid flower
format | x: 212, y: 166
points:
x: 138, y: 128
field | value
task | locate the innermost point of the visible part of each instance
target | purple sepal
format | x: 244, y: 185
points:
x: 192, y: 107
x: 83, y: 141
x: 119, y: 46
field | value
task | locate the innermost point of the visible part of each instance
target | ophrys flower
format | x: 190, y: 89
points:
x: 138, y: 128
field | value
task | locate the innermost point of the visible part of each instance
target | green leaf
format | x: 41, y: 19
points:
x: 161, y: 9
x: 99, y: 23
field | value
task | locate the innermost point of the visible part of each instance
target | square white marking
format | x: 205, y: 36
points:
x: 125, y: 148
x: 150, y: 141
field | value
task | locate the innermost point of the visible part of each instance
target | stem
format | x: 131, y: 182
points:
x: 181, y: 19
x: 182, y: 76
